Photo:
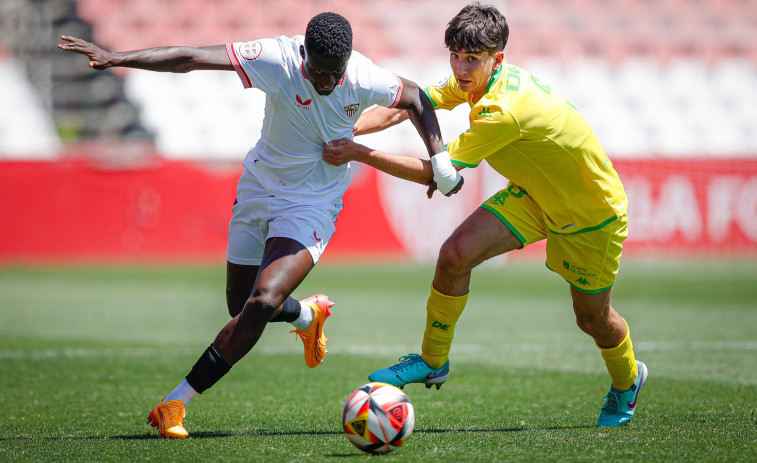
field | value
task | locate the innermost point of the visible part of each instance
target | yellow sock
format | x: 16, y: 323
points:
x: 621, y: 363
x: 442, y: 313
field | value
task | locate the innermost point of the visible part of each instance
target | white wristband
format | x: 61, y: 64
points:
x: 445, y: 175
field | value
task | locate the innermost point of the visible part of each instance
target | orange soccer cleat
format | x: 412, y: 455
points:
x: 312, y: 337
x: 168, y: 417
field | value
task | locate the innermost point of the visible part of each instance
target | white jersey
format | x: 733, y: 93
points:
x: 287, y: 160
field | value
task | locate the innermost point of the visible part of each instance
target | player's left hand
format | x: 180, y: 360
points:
x: 342, y: 151
x: 98, y: 58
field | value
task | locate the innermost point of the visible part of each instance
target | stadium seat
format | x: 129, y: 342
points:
x: 22, y: 113
x: 625, y: 63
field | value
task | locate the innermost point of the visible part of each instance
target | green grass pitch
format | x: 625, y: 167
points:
x: 85, y: 352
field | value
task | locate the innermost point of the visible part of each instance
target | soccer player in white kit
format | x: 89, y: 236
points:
x: 288, y: 197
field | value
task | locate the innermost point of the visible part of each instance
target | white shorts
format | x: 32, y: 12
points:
x: 259, y: 216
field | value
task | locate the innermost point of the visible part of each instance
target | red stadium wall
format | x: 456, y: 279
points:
x: 162, y: 210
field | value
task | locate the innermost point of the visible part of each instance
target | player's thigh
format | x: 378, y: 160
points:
x: 514, y: 208
x: 589, y: 261
x: 248, y: 231
x: 481, y: 236
x: 286, y: 263
x: 310, y: 225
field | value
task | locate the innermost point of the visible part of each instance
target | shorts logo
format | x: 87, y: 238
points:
x: 315, y: 237
x: 512, y: 190
x: 251, y: 50
x: 582, y: 273
x: 351, y: 109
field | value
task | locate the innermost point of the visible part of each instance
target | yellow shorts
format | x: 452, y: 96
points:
x: 588, y: 260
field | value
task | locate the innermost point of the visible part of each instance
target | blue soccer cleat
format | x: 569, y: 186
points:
x: 620, y: 406
x: 411, y: 369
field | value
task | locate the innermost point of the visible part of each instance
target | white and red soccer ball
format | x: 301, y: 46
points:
x: 378, y: 418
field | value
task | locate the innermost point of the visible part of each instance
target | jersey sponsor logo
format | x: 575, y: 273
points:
x: 351, y: 109
x: 251, y: 50
x: 485, y: 111
x: 302, y: 104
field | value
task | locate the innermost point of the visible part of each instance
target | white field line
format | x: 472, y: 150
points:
x: 649, y: 346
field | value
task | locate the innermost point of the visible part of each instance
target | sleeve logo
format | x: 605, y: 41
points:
x: 443, y: 82
x: 251, y: 50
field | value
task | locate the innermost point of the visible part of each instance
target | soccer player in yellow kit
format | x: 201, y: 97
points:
x: 563, y: 188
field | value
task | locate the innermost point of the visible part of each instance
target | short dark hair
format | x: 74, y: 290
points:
x: 330, y: 35
x: 477, y: 28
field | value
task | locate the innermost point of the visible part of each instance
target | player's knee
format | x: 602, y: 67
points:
x: 450, y: 256
x: 234, y: 302
x: 234, y: 307
x: 587, y: 323
x: 263, y: 303
x: 595, y: 325
x: 453, y: 256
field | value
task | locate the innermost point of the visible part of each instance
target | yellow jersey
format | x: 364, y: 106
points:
x: 536, y: 139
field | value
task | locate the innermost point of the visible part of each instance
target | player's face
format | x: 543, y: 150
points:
x: 473, y: 71
x: 322, y: 72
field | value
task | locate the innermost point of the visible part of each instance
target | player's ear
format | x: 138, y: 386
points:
x: 302, y: 51
x: 499, y: 58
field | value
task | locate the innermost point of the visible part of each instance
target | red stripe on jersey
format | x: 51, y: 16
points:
x: 399, y: 92
x: 237, y: 66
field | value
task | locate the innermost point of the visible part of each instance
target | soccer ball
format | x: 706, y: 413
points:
x: 378, y: 418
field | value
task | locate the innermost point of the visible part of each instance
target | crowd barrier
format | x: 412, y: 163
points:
x: 81, y: 209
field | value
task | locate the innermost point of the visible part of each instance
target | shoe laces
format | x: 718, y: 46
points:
x: 175, y: 413
x: 612, y: 403
x: 407, y: 361
x: 303, y: 336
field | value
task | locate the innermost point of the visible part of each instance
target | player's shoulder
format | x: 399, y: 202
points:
x: 363, y: 72
x: 277, y: 46
x: 446, y: 84
x: 360, y: 64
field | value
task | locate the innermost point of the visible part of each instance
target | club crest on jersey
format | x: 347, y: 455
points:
x: 351, y: 109
x: 302, y: 104
x: 251, y: 50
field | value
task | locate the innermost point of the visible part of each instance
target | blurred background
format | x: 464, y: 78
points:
x: 135, y: 165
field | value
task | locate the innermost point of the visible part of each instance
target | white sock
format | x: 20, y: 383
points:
x: 183, y: 392
x: 305, y: 318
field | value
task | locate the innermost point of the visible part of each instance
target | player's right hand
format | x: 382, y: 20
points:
x: 98, y: 58
x: 448, y: 179
x: 432, y: 187
x: 457, y: 187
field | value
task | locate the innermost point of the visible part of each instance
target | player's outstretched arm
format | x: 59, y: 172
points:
x: 163, y: 59
x: 416, y: 170
x: 378, y: 119
x: 421, y: 113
